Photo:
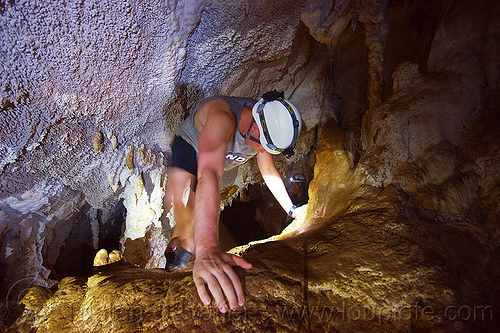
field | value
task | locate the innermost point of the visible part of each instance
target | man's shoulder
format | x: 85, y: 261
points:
x: 219, y: 108
x: 217, y: 103
x: 217, y: 113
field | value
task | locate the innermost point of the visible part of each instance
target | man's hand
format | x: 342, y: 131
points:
x: 213, y: 268
x: 299, y: 211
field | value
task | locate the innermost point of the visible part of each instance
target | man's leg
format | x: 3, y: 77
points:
x: 178, y: 181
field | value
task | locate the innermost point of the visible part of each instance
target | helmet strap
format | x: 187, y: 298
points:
x: 288, y: 153
x: 248, y: 135
x: 273, y: 95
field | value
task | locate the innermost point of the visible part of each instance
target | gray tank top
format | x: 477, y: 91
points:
x: 237, y: 151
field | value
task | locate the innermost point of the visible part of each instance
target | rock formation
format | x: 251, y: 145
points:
x: 400, y: 105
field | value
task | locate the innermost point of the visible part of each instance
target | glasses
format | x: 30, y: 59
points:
x: 249, y: 136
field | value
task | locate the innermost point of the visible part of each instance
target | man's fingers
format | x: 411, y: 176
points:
x: 299, y: 211
x: 202, y: 291
x: 239, y: 261
x: 221, y: 279
x: 232, y: 287
x: 215, y: 289
x: 238, y: 288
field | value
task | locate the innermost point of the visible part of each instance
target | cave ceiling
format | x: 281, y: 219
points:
x: 400, y: 141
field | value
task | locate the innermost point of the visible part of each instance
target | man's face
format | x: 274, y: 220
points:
x: 296, y: 187
x: 254, y: 132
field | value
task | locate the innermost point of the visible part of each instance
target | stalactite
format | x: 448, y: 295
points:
x: 94, y: 224
x: 98, y: 142
x: 143, y: 242
x: 376, y: 35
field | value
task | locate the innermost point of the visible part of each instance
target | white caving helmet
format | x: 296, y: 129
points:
x: 279, y: 123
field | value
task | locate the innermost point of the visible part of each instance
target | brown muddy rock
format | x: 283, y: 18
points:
x: 57, y: 313
x: 333, y: 181
x: 441, y: 182
x: 374, y: 267
x: 102, y: 257
x: 438, y: 106
x: 98, y: 141
x: 370, y: 264
x: 36, y: 298
x: 402, y: 238
x: 146, y: 251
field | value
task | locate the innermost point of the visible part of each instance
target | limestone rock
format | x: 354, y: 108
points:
x: 405, y: 76
x: 370, y: 263
x: 367, y: 269
x: 400, y: 103
x: 103, y: 258
x: 98, y: 142
x: 36, y: 298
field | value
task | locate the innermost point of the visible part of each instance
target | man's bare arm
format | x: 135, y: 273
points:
x: 273, y: 181
x: 213, y: 268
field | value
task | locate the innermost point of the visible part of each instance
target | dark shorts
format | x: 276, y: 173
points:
x: 184, y: 156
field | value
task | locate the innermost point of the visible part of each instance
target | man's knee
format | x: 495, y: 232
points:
x: 183, y: 209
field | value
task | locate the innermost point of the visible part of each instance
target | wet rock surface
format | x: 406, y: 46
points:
x: 376, y: 264
x: 400, y: 103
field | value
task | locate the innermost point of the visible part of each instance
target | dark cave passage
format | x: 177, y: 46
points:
x: 77, y: 254
x: 400, y: 145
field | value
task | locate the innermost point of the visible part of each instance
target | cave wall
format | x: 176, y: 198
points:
x: 404, y: 201
x: 82, y: 81
x: 91, y: 93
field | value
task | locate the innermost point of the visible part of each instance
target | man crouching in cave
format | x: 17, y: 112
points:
x: 219, y: 134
